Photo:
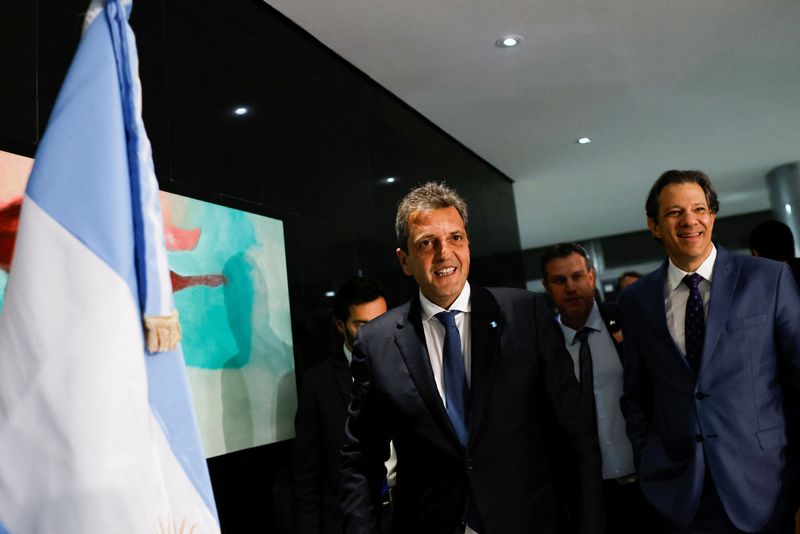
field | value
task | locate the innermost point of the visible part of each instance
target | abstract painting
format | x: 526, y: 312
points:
x: 228, y: 270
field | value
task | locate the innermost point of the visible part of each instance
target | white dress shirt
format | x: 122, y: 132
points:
x: 676, y: 294
x: 615, y: 448
x: 434, y: 334
x: 434, y: 339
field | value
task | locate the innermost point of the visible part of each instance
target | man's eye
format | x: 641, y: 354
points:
x: 425, y: 243
x: 700, y: 209
x: 457, y: 237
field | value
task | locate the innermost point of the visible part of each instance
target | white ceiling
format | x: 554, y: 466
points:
x: 708, y: 84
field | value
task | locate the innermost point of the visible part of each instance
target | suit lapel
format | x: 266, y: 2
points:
x: 341, y: 373
x: 726, y: 272
x: 657, y: 315
x: 486, y: 327
x: 410, y: 341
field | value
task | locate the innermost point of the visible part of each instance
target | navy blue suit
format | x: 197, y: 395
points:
x: 737, y: 417
x: 523, y: 399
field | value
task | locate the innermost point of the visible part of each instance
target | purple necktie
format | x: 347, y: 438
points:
x: 695, y: 325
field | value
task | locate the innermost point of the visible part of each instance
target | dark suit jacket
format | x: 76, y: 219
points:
x: 522, y: 394
x: 319, y: 425
x: 737, y: 416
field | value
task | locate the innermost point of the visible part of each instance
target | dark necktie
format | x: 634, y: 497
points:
x: 455, y: 377
x: 695, y: 326
x: 585, y: 362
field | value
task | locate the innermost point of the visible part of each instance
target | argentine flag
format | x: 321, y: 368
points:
x: 97, y: 434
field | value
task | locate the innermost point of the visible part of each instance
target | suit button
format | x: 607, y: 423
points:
x: 698, y: 438
x: 700, y: 395
x: 468, y: 463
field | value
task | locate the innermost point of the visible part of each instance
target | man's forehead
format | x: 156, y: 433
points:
x: 441, y: 217
x: 675, y: 194
x: 572, y: 263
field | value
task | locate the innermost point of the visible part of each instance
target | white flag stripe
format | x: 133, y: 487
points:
x: 101, y: 461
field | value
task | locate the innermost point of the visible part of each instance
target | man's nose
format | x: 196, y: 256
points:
x: 688, y: 218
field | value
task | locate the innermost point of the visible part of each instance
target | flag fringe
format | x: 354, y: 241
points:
x: 162, y: 332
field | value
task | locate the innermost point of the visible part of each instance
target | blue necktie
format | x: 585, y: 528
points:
x: 695, y: 325
x: 455, y: 377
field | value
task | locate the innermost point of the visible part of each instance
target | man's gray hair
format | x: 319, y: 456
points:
x: 426, y: 197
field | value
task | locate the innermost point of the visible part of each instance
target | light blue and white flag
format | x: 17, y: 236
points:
x: 97, y: 433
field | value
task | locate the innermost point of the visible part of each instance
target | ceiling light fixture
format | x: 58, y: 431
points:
x: 509, y: 41
x: 584, y: 141
x: 788, y: 208
x: 330, y: 294
x: 240, y: 111
x: 390, y: 179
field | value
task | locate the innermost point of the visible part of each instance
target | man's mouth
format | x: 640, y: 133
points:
x: 691, y: 235
x: 445, y: 272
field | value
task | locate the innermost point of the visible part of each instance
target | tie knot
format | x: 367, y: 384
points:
x: 447, y: 318
x: 692, y: 280
x: 582, y: 334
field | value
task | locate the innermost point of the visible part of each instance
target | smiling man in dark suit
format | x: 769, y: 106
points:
x: 712, y: 373
x: 322, y: 411
x: 474, y: 387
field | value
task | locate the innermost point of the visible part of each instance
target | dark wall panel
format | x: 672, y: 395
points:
x: 18, y: 88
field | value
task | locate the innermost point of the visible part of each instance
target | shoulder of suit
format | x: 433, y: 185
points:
x: 512, y: 294
x: 756, y: 264
x: 323, y: 369
x: 634, y: 291
x: 387, y: 321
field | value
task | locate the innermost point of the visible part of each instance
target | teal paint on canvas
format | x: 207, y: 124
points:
x: 232, y: 293
x: 248, y: 251
x: 3, y: 282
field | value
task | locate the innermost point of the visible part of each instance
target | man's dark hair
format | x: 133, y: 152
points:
x: 357, y: 290
x: 626, y: 274
x: 562, y: 250
x: 773, y: 240
x: 427, y: 197
x: 680, y: 177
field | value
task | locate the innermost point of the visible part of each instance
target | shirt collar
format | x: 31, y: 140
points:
x: 593, y: 322
x: 706, y: 270
x: 462, y: 304
x: 347, y: 353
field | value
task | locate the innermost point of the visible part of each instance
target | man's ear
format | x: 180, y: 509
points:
x: 340, y: 326
x: 402, y: 257
x: 593, y: 277
x: 654, y: 229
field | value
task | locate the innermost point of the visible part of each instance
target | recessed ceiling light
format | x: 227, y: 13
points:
x: 240, y: 111
x: 508, y: 41
x: 330, y: 294
x: 584, y: 141
x: 390, y: 179
x: 788, y: 208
